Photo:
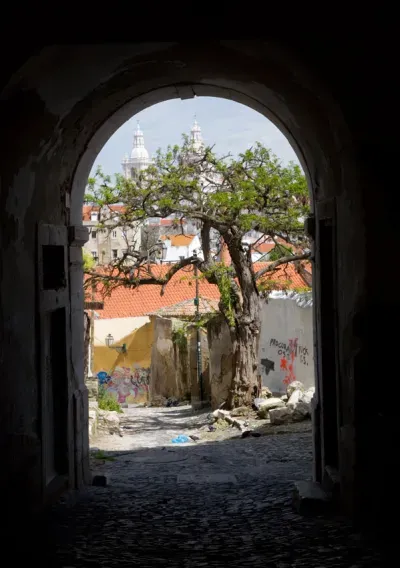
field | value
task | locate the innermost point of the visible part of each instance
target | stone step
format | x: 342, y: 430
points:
x: 309, y: 498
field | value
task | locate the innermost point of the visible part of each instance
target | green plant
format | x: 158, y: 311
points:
x: 223, y: 278
x: 280, y: 251
x: 179, y: 337
x: 302, y: 289
x: 107, y: 401
x: 100, y: 455
x: 88, y: 260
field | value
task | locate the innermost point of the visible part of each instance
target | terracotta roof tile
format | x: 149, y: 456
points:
x: 168, y: 222
x: 179, y: 240
x: 187, y: 308
x: 87, y: 209
x: 264, y: 247
x: 146, y: 298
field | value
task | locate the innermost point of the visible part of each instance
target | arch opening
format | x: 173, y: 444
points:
x: 174, y: 91
x: 65, y: 140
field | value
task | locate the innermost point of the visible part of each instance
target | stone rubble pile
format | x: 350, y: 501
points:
x: 108, y: 422
x: 294, y: 406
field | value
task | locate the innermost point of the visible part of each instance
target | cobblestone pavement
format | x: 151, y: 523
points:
x: 222, y: 503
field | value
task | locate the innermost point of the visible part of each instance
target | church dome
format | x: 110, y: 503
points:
x: 196, y: 138
x: 139, y: 152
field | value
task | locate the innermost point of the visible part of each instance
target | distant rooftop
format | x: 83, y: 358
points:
x: 187, y: 309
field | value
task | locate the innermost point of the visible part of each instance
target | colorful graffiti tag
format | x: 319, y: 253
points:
x: 127, y: 385
x: 287, y: 362
x: 288, y: 352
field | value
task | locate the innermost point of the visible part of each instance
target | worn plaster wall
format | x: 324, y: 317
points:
x: 126, y: 375
x: 286, y: 350
x: 220, y: 349
x: 200, y: 385
x: 169, y: 376
x: 118, y: 327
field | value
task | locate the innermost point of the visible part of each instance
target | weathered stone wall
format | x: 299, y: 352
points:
x: 285, y: 351
x: 200, y: 392
x: 220, y: 348
x: 74, y: 97
x: 169, y: 375
x: 86, y: 343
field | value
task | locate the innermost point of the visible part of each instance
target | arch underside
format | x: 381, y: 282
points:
x: 60, y: 109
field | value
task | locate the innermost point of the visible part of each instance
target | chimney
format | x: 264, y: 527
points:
x: 224, y: 254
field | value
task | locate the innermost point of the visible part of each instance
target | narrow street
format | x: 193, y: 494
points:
x: 218, y: 501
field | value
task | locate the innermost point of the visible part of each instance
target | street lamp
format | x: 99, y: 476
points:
x: 109, y: 341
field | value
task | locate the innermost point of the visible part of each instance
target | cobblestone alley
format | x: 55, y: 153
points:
x: 217, y: 501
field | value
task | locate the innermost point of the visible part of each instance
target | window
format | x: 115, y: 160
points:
x: 114, y: 234
x: 94, y: 234
x: 94, y: 216
x: 115, y: 253
x: 94, y: 254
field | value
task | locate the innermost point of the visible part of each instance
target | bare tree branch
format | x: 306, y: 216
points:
x: 176, y: 267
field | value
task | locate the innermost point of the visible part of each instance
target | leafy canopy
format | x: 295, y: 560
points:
x: 226, y: 197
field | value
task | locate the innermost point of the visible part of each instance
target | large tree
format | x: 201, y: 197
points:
x: 227, y: 198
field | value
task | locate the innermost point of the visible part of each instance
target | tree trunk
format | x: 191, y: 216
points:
x: 246, y: 333
x: 245, y: 377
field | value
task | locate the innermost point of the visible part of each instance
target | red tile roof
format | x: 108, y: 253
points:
x: 178, y: 240
x: 187, y: 308
x: 168, y: 222
x: 87, y: 209
x: 264, y: 247
x: 146, y: 298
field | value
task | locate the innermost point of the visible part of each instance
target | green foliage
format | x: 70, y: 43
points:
x: 227, y: 197
x: 88, y: 260
x: 302, y: 289
x: 279, y: 251
x: 107, y: 401
x: 222, y: 275
x: 179, y: 337
x: 254, y: 191
x: 100, y: 455
x: 268, y: 285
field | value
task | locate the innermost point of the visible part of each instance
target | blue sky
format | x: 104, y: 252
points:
x: 232, y: 127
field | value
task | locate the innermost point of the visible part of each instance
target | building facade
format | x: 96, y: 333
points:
x: 109, y: 245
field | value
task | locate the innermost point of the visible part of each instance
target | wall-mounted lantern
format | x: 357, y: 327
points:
x: 110, y: 343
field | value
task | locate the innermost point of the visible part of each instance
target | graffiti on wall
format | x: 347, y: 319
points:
x: 288, y: 353
x: 126, y: 384
x: 268, y: 365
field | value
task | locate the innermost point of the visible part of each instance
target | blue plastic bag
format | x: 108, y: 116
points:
x: 181, y: 439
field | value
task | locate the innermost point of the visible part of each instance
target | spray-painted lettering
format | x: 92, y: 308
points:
x: 286, y: 349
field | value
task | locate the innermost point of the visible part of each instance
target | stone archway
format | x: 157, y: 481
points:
x: 63, y: 105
